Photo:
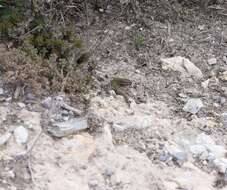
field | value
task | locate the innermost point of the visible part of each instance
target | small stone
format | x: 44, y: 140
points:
x: 225, y: 59
x: 4, y: 138
x: 210, y: 158
x: 21, y: 104
x: 212, y: 61
x: 182, y: 65
x: 223, y: 76
x: 93, y: 183
x: 164, y: 157
x: 219, y: 99
x: 193, y: 105
x: 108, y: 172
x: 47, y: 103
x: 211, y: 123
x: 205, y: 84
x: 179, y: 157
x: 29, y: 97
x: 128, y: 28
x: 222, y: 100
x: 21, y: 135
x: 224, y: 119
x: 2, y: 91
x: 201, y: 27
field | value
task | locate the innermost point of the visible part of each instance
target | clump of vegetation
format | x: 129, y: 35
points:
x: 139, y: 41
x: 49, y: 53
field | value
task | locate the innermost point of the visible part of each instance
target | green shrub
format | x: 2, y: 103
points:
x: 11, y: 13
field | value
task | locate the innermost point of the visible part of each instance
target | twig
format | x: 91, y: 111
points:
x: 30, y: 169
x: 29, y: 149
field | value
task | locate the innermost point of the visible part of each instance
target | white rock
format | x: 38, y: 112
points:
x: 193, y: 105
x: 204, y: 139
x: 21, y: 135
x: 199, y: 151
x: 205, y: 84
x: 201, y: 27
x: 182, y: 65
x: 220, y: 164
x: 4, y: 138
x: 1, y: 91
x: 212, y: 61
x: 21, y: 104
x: 223, y: 76
x: 61, y: 129
x: 217, y: 150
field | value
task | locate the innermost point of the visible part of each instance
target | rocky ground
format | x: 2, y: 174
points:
x: 166, y: 130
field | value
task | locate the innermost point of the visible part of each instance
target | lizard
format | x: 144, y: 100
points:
x: 118, y: 84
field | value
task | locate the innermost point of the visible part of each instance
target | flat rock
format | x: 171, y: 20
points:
x: 182, y: 65
x: 62, y: 129
x: 212, y: 61
x: 193, y: 105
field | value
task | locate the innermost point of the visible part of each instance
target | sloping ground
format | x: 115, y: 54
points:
x: 83, y: 161
x: 149, y: 142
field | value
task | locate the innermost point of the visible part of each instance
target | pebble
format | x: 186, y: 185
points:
x: 47, y: 103
x: 223, y: 76
x: 179, y: 157
x: 193, y: 105
x: 224, y: 119
x: 225, y: 59
x: 2, y: 91
x: 108, y: 172
x: 205, y: 84
x: 21, y: 135
x: 93, y: 183
x: 164, y: 157
x: 219, y: 99
x: 210, y: 158
x: 4, y: 138
x: 212, y: 61
x: 21, y: 104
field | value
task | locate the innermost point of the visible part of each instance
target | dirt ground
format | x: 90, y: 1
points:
x: 127, y: 150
